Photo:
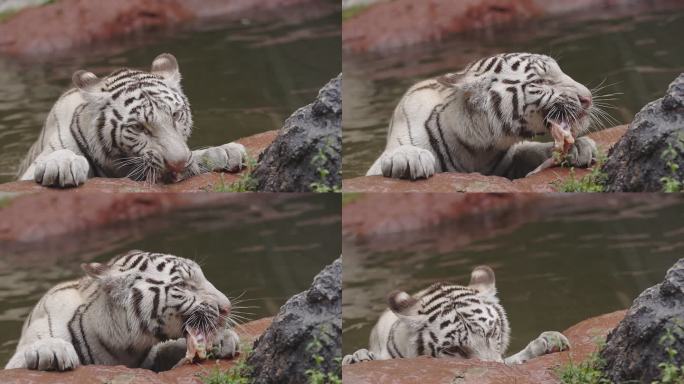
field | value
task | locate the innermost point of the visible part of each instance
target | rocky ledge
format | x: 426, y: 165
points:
x: 583, y: 337
x: 98, y: 374
x: 215, y: 181
x: 545, y: 181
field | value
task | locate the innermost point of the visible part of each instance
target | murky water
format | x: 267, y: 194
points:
x: 636, y: 55
x: 241, y: 79
x: 554, y: 269
x: 264, y: 248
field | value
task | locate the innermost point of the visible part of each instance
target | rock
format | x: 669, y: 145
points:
x: 545, y: 181
x: 65, y: 25
x: 98, y: 374
x: 286, y: 350
x: 208, y: 182
x: 636, y: 163
x: 293, y: 161
x: 541, y: 370
x: 382, y: 26
x: 634, y: 349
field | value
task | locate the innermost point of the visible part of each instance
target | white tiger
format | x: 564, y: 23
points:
x: 132, y: 311
x: 476, y: 120
x: 129, y: 124
x: 447, y: 320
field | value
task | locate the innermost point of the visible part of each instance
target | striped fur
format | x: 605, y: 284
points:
x: 448, y: 320
x: 477, y: 120
x: 129, y: 124
x: 130, y: 311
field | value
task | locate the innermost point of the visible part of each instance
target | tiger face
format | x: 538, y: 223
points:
x: 524, y: 93
x: 142, y: 120
x: 447, y: 320
x: 167, y: 296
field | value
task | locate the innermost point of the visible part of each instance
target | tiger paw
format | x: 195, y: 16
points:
x: 408, y: 162
x: 549, y: 342
x: 583, y: 153
x: 61, y: 168
x: 358, y: 357
x: 228, y: 344
x: 229, y: 157
x: 51, y: 355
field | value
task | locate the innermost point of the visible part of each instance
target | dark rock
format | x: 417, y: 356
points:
x: 292, y: 163
x: 635, y: 348
x: 636, y: 163
x: 308, y: 324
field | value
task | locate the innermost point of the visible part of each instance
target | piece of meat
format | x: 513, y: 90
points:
x: 562, y: 142
x: 197, y: 344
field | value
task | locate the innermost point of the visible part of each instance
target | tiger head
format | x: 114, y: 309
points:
x: 447, y: 320
x: 141, y: 120
x: 166, y: 296
x: 523, y: 94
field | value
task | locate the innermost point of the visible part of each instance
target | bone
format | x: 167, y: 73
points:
x: 197, y: 344
x: 562, y: 142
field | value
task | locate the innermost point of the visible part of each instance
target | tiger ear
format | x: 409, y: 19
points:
x: 95, y: 270
x: 482, y: 280
x: 85, y: 81
x: 401, y: 303
x: 166, y: 66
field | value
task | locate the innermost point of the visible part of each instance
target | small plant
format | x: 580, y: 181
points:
x: 593, y: 182
x: 670, y: 371
x: 246, y: 183
x: 317, y: 375
x: 586, y: 372
x: 671, y: 183
x: 353, y: 11
x: 321, y: 162
x: 237, y: 374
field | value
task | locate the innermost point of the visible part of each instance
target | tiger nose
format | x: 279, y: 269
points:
x: 224, y: 309
x: 585, y: 101
x: 176, y: 166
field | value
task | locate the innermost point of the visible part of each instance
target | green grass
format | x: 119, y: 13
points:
x: 321, y: 160
x: 316, y: 375
x: 353, y: 11
x: 586, y: 372
x: 237, y: 374
x: 671, y: 183
x: 246, y: 183
x: 670, y: 371
x: 595, y: 181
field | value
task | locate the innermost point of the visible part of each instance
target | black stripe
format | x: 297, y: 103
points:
x: 155, y: 301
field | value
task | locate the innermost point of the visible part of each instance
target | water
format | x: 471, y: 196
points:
x: 638, y: 55
x: 265, y: 248
x: 557, y: 261
x: 240, y: 79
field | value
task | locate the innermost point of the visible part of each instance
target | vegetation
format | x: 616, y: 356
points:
x: 246, y: 183
x: 593, y: 182
x: 591, y: 370
x: 237, y: 374
x: 352, y: 11
x: 671, y: 183
x: 320, y: 161
x: 317, y: 375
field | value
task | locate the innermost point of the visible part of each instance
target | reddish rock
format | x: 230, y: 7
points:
x: 383, y: 26
x: 68, y: 24
x: 202, y: 183
x: 583, y: 338
x: 545, y: 181
x: 98, y: 374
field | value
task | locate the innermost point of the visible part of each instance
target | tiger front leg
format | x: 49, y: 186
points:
x: 230, y: 157
x: 408, y: 162
x: 547, y: 342
x: 359, y: 356
x: 50, y: 354
x: 62, y: 168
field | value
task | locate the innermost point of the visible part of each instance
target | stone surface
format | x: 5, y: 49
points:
x: 285, y: 351
x: 634, y: 349
x: 98, y: 374
x: 635, y: 163
x: 545, y: 181
x: 202, y: 183
x: 70, y: 24
x: 382, y: 26
x: 291, y: 163
x: 583, y: 337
